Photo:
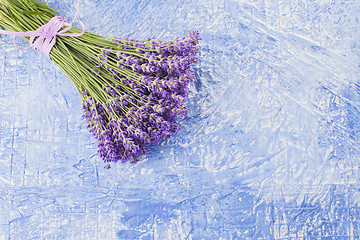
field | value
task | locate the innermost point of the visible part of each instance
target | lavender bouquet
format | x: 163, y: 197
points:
x: 131, y: 90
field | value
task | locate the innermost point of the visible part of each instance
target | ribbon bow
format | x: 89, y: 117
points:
x: 44, y: 38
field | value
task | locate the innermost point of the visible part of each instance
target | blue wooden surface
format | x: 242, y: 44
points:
x: 269, y: 149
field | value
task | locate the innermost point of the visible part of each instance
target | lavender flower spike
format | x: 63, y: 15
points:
x: 147, y: 88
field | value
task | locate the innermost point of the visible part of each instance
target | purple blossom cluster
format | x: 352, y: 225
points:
x: 144, y: 85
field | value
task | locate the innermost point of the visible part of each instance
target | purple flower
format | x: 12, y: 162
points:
x: 145, y: 85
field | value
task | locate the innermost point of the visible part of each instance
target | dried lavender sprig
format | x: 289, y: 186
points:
x: 150, y: 117
x: 132, y: 91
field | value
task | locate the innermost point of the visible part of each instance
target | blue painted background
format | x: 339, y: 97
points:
x: 269, y: 150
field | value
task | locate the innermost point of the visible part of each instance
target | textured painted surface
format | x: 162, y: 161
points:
x: 269, y: 150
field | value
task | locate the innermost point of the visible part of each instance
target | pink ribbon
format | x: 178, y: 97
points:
x: 44, y: 38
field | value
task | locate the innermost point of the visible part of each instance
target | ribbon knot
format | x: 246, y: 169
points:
x: 44, y: 38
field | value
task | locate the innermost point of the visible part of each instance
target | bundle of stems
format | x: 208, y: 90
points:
x: 131, y: 90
